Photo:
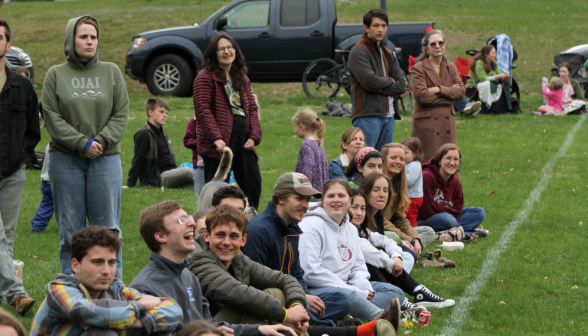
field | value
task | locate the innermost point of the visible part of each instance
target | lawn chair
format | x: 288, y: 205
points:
x: 463, y: 67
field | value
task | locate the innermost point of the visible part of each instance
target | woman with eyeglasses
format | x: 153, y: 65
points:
x: 227, y: 115
x: 436, y: 85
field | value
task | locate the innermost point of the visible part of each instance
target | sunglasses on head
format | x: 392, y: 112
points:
x: 434, y: 44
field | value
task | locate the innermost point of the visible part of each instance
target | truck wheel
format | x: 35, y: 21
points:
x: 169, y: 75
x: 322, y: 78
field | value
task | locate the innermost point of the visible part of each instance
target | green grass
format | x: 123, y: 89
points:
x: 503, y: 154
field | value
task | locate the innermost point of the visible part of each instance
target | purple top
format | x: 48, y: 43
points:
x: 312, y: 162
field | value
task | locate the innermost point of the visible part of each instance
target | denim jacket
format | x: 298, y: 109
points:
x: 19, y: 124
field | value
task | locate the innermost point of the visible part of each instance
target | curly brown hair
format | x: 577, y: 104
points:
x: 91, y: 236
x: 238, y: 70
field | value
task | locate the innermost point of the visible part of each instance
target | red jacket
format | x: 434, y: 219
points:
x: 191, y: 142
x: 214, y: 116
x: 440, y: 196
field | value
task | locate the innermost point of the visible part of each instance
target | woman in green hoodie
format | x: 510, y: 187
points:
x: 86, y: 108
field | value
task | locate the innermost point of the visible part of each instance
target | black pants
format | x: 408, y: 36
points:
x: 331, y: 331
x: 498, y: 107
x: 404, y: 281
x: 244, y: 166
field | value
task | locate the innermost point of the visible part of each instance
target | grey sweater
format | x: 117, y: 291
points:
x: 165, y: 278
x: 414, y: 175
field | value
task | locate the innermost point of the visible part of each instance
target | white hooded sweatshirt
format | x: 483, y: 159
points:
x: 378, y: 258
x: 331, y: 255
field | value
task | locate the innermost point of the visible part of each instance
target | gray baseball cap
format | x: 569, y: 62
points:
x: 297, y: 182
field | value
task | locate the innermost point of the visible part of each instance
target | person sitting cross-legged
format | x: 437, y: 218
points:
x: 168, y: 230
x: 93, y: 302
x: 243, y: 291
x: 273, y: 238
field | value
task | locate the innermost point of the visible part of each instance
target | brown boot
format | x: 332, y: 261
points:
x: 446, y: 262
x: 23, y: 304
x: 392, y: 314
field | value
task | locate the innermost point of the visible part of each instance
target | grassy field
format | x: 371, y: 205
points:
x: 539, y: 286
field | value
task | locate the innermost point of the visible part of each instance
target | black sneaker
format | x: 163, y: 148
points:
x: 406, y: 305
x: 349, y: 321
x: 425, y: 298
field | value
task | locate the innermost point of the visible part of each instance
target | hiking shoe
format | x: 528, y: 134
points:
x: 425, y: 298
x: 392, y: 314
x: 23, y: 304
x: 412, y: 314
x: 470, y: 238
x: 349, y: 321
x: 384, y: 328
x: 472, y: 107
x: 446, y: 262
x: 481, y: 232
x: 427, y: 260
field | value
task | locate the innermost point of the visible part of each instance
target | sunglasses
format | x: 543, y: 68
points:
x: 434, y: 44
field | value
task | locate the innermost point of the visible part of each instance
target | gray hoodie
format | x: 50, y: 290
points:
x: 332, y: 254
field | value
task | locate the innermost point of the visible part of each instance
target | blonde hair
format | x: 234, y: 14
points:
x: 348, y: 136
x: 399, y: 184
x: 311, y: 122
x: 556, y: 83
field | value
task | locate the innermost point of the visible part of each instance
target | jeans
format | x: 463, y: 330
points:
x: 469, y: 219
x: 360, y: 306
x: 10, y: 196
x: 337, y: 305
x: 85, y: 188
x: 408, y: 261
x: 198, y: 177
x: 378, y: 131
x: 45, y: 210
x: 460, y: 104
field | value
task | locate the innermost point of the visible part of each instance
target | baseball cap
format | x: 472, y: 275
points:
x: 297, y: 182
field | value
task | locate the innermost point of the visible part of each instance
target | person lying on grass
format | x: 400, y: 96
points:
x: 273, y: 238
x: 443, y: 200
x: 384, y: 259
x: 394, y: 215
x: 168, y: 231
x: 241, y: 290
x: 93, y: 300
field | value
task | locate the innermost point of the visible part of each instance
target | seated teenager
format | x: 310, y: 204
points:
x: 154, y: 163
x: 168, y: 230
x: 273, y: 238
x: 93, y: 302
x: 331, y: 256
x: 394, y: 214
x: 384, y: 259
x: 366, y: 161
x: 352, y: 140
x: 241, y: 290
x: 443, y: 200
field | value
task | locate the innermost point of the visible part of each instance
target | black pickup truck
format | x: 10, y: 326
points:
x: 279, y: 39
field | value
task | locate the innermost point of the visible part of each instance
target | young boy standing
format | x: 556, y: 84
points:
x: 154, y: 163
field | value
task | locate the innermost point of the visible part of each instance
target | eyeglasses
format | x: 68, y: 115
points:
x: 227, y: 48
x: 434, y: 44
x: 184, y: 219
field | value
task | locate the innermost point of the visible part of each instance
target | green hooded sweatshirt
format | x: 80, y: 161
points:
x: 82, y: 103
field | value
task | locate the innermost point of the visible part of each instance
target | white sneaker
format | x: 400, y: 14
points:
x: 472, y: 108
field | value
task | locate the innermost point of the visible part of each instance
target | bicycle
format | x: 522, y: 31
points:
x: 407, y: 99
x: 324, y: 77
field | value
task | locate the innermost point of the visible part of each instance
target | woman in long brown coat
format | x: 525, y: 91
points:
x: 436, y: 85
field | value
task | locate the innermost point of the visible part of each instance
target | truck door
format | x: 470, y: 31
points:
x: 302, y: 35
x: 249, y: 23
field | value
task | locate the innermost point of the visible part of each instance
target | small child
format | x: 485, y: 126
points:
x: 200, y: 220
x: 191, y: 142
x: 312, y: 158
x: 414, y: 175
x: 46, y: 208
x: 554, y: 94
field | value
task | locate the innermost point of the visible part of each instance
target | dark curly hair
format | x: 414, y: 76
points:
x: 91, y: 236
x: 238, y: 70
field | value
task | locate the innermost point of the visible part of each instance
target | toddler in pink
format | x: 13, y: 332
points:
x: 554, y: 94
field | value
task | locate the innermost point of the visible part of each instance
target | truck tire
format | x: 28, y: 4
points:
x: 169, y: 75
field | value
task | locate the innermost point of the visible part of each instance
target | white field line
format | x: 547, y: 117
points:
x: 461, y: 310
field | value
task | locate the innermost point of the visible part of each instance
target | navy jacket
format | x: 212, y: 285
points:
x: 274, y: 244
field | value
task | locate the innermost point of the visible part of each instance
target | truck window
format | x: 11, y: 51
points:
x: 296, y: 13
x: 250, y: 14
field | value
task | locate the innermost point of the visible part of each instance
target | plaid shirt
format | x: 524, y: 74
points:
x: 68, y: 310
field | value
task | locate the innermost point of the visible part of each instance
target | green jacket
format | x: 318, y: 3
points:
x: 82, y: 103
x: 578, y: 92
x: 480, y: 75
x: 242, y: 289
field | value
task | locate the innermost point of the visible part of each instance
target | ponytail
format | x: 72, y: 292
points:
x: 311, y: 122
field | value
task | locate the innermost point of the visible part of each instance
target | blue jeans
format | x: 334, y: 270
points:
x: 460, y: 104
x: 378, y: 131
x: 85, y: 188
x: 45, y: 210
x: 198, y: 176
x: 469, y: 219
x: 361, y: 307
x: 336, y: 307
x: 10, y: 195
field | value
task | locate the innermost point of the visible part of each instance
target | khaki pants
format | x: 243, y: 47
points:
x: 178, y: 178
x: 233, y: 316
x: 426, y: 233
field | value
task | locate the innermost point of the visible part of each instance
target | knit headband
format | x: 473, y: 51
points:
x: 362, y: 153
